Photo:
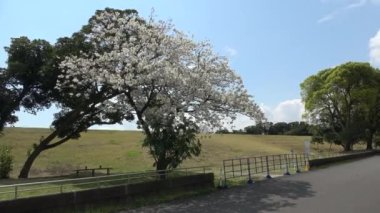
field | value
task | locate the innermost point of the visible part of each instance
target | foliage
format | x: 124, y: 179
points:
x: 24, y: 83
x: 340, y: 100
x: 156, y: 72
x: 280, y: 128
x: 36, y: 79
x: 171, y: 143
x: 118, y: 67
x: 222, y: 131
x: 6, y: 161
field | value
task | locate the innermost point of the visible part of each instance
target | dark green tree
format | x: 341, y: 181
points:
x: 339, y: 99
x: 171, y: 141
x: 279, y: 128
x: 91, y: 106
x: 25, y: 81
x: 222, y: 131
x: 254, y: 130
x: 298, y: 128
x: 371, y: 118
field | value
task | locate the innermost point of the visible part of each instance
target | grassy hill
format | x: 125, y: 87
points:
x: 122, y: 150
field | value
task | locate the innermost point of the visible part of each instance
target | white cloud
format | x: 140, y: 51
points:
x: 286, y: 111
x: 356, y: 4
x: 326, y: 18
x: 241, y: 122
x: 231, y: 52
x: 348, y: 5
x: 374, y: 50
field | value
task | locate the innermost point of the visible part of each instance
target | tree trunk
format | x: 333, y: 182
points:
x: 369, y: 142
x: 24, y: 173
x: 347, y: 146
x: 161, y: 166
x: 10, y: 107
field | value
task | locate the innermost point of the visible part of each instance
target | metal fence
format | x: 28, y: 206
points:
x: 267, y: 166
x: 264, y: 166
x: 15, y: 191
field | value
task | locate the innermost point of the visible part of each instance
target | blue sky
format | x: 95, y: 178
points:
x: 273, y: 45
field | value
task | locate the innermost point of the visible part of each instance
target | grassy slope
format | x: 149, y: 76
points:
x: 122, y: 150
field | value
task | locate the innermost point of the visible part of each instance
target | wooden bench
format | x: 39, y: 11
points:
x: 108, y: 169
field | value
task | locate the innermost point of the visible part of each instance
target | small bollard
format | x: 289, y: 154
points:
x: 250, y: 181
x: 16, y: 195
x: 298, y: 170
x: 268, y: 175
x: 287, y: 165
x: 222, y: 183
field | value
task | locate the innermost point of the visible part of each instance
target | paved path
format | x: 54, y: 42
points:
x: 348, y: 187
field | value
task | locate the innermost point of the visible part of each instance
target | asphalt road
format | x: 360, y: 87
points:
x: 347, y: 187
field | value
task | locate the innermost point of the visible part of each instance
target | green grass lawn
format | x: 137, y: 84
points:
x: 122, y: 150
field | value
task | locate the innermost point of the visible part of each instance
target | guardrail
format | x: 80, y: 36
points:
x: 263, y: 166
x: 267, y: 166
x: 15, y: 191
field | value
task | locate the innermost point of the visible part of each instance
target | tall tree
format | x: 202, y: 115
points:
x: 24, y: 82
x: 372, y: 112
x: 279, y: 128
x: 170, y: 82
x: 338, y: 98
x: 81, y: 107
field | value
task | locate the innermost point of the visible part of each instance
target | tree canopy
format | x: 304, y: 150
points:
x: 119, y: 67
x: 342, y: 100
x: 26, y: 80
x: 279, y: 128
x: 161, y: 74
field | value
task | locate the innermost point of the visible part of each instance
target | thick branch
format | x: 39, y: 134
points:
x: 57, y: 143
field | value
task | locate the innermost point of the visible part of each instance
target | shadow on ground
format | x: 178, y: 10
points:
x: 265, y: 196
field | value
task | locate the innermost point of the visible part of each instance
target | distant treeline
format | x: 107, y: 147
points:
x: 269, y: 128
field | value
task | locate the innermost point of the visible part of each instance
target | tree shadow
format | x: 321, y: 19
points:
x: 270, y: 195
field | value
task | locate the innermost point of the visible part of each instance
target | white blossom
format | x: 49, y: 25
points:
x: 153, y: 62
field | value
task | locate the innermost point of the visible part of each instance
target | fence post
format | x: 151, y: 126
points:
x: 61, y: 188
x: 16, y: 195
x: 250, y: 181
x: 241, y: 168
x: 233, y: 168
x: 255, y: 165
x: 225, y: 176
x: 268, y: 175
x: 298, y: 170
x: 287, y: 165
x: 308, y: 162
x: 305, y: 162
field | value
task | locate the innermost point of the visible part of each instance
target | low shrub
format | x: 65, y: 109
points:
x: 6, y: 161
